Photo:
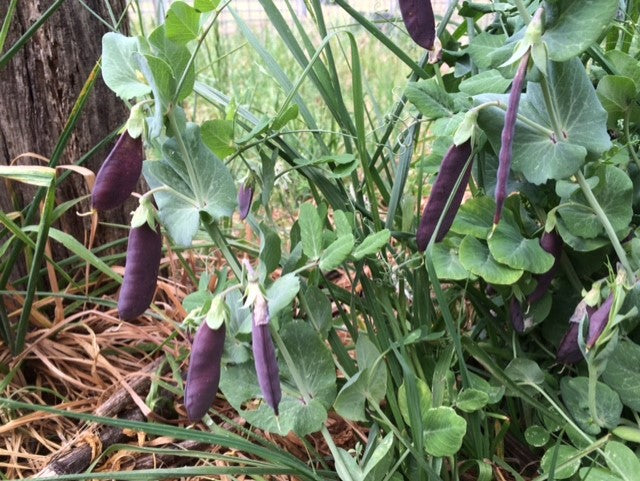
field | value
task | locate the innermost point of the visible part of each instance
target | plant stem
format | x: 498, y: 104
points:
x: 551, y: 107
x: 194, y: 180
x: 627, y: 137
x: 214, y: 232
x: 522, y: 10
x: 604, y: 220
x: 528, y: 122
x: 591, y: 395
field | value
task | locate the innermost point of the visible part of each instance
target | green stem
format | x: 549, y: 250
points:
x: 627, y: 137
x: 211, y: 226
x: 595, y: 446
x: 194, y: 180
x: 551, y: 107
x: 591, y: 395
x: 525, y: 120
x: 522, y: 10
x: 7, y: 23
x: 604, y: 220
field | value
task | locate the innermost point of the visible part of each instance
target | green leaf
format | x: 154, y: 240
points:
x: 617, y: 95
x: 270, y: 250
x: 336, y: 253
x: 495, y: 393
x: 213, y: 191
x: 575, y: 25
x: 509, y: 247
x: 622, y: 461
x: 320, y: 312
x: 591, y: 473
x: 614, y: 193
x: 282, y: 293
x: 29, y: 174
x: 622, y: 374
x: 583, y: 124
x: 575, y: 394
x: 120, y: 70
x: 524, y: 371
x: 315, y: 366
x: 310, y: 230
x: 537, y: 436
x: 470, y: 400
x: 291, y: 113
x: 343, y: 226
x: 476, y: 258
x: 446, y: 260
x: 182, y: 22
x: 625, y: 65
x: 372, y: 244
x: 430, y: 99
x: 368, y: 384
x: 205, y: 5
x: 424, y: 394
x: 489, y: 81
x: 377, y: 466
x: 177, y: 57
x: 475, y: 217
x: 558, y: 455
x: 218, y: 136
x: 482, y: 46
x: 443, y: 431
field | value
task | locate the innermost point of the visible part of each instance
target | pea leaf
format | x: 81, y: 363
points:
x: 558, y: 455
x: 622, y: 460
x: 583, y: 125
x: 218, y: 136
x: 182, y: 22
x: 575, y: 394
x: 336, y: 253
x: 120, y: 70
x: 430, y: 99
x: 315, y: 366
x: 443, y: 431
x: 476, y: 258
x: 310, y: 230
x: 446, y: 260
x: 489, y: 81
x: 614, y: 193
x: 372, y: 244
x: 212, y: 191
x: 574, y: 25
x: 508, y: 246
x: 282, y: 293
x: 618, y: 95
x: 622, y: 375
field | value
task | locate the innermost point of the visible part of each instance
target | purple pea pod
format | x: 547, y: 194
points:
x: 508, y: 132
x: 569, y: 349
x: 551, y: 242
x: 144, y: 252
x: 264, y: 355
x: 452, y: 166
x: 119, y: 174
x: 598, y: 321
x: 417, y: 16
x: 245, y: 197
x: 203, y: 376
x: 517, y: 315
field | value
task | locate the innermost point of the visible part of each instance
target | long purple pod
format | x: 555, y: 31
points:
x: 569, y: 349
x: 508, y: 132
x: 245, y: 196
x: 203, y: 376
x: 452, y: 166
x: 264, y: 355
x: 119, y: 173
x: 598, y: 321
x: 551, y: 242
x: 144, y: 252
x: 417, y: 16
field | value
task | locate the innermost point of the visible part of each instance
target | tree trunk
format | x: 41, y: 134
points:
x: 38, y: 89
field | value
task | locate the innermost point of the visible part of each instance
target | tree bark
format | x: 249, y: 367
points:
x: 38, y: 89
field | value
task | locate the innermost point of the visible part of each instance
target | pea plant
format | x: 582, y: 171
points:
x: 527, y: 240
